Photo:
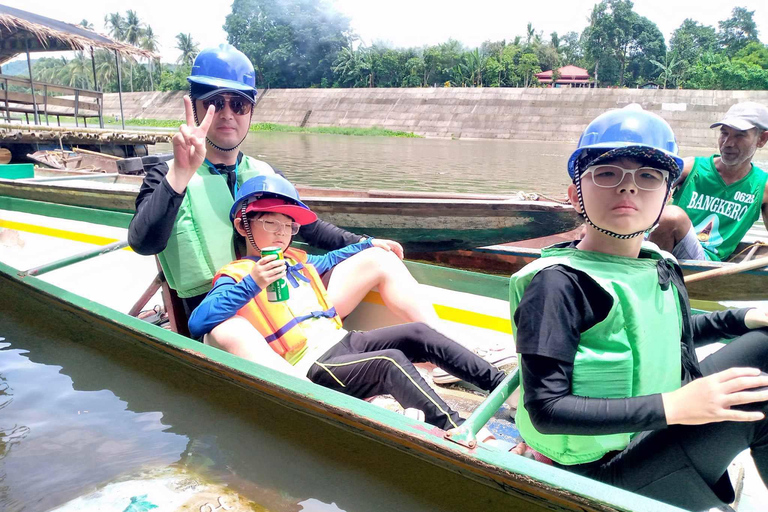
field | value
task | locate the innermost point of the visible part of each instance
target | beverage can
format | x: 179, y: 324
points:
x: 278, y: 290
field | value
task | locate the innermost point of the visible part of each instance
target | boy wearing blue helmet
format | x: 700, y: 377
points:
x: 611, y: 387
x: 181, y: 209
x: 303, y: 335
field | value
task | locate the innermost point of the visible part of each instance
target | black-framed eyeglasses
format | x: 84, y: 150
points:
x: 274, y: 226
x: 239, y: 106
x: 610, y: 176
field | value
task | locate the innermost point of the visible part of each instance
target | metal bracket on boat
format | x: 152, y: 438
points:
x: 465, y: 434
x: 77, y: 258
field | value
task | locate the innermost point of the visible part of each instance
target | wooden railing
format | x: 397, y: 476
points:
x: 48, y: 100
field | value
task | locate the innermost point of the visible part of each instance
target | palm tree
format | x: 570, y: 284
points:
x: 115, y: 25
x: 77, y: 72
x: 105, y: 68
x: 149, y: 43
x: 132, y: 34
x: 188, y: 47
x: 529, y: 33
x: 475, y: 63
x: 347, y: 66
x: 667, y: 68
x: 86, y: 24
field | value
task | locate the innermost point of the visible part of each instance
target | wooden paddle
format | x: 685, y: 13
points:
x: 727, y: 271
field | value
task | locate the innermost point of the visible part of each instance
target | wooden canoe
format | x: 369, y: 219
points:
x: 473, y: 302
x: 75, y: 160
x: 508, y: 258
x: 422, y: 222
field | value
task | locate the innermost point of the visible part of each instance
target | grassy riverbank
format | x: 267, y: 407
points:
x: 271, y: 127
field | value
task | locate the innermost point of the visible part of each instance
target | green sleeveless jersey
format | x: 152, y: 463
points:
x: 721, y: 214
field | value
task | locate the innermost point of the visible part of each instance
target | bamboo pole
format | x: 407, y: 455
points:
x: 32, y: 128
x: 120, y: 89
x: 727, y: 271
x: 465, y: 434
x: 96, y: 153
x: 77, y: 258
x: 31, y: 83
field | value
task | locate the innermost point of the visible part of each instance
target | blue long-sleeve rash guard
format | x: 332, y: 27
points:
x: 228, y: 296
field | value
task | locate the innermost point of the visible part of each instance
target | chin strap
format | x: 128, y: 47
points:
x: 577, y: 182
x: 209, y: 141
x: 247, y: 226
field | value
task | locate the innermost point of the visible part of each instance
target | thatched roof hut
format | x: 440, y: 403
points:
x: 20, y: 28
x: 26, y: 32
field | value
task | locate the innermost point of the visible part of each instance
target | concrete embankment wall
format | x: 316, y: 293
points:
x: 557, y: 115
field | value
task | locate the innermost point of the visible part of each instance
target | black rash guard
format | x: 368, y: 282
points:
x: 157, y: 205
x: 558, y: 305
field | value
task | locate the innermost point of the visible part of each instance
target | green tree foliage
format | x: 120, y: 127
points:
x: 620, y: 43
x: 306, y: 43
x: 175, y: 79
x: 754, y: 53
x: 737, y: 31
x: 689, y: 42
x: 292, y: 43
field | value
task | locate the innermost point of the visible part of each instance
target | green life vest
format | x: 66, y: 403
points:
x: 635, y: 351
x: 721, y: 214
x: 202, y: 239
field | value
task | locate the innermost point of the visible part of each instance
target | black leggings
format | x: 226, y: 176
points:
x: 366, y: 364
x: 685, y: 465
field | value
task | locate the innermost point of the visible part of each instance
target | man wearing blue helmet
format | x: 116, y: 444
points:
x: 611, y: 386
x: 182, y: 208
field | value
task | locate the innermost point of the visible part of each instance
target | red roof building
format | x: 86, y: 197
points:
x: 570, y: 76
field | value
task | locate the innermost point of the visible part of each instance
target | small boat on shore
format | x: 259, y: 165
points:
x: 421, y: 221
x: 76, y: 160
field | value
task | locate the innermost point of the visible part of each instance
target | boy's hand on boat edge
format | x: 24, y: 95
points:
x: 389, y: 245
x: 756, y: 318
x: 712, y: 398
x: 268, y: 270
x: 188, y: 147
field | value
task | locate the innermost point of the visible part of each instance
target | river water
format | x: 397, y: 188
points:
x: 395, y: 163
x: 81, y: 407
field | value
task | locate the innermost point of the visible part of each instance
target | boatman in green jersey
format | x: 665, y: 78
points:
x: 611, y: 386
x: 182, y: 210
x: 719, y: 197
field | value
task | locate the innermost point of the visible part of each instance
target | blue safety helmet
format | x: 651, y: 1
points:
x: 272, y: 186
x: 628, y: 127
x: 223, y: 68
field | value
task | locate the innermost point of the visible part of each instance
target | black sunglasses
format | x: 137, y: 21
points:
x: 239, y: 106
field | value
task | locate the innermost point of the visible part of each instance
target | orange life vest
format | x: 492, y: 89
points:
x: 274, y: 320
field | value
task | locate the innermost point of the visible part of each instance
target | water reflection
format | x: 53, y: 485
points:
x: 153, y: 410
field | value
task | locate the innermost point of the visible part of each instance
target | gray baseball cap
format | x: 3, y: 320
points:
x: 745, y: 116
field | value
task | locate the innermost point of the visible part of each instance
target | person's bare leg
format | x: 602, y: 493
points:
x: 237, y: 336
x: 353, y: 278
x: 674, y: 224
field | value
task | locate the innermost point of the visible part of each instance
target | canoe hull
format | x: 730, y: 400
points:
x: 420, y: 224
x: 524, y: 484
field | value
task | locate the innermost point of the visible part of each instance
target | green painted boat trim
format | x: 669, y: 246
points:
x: 528, y: 480
x: 454, y: 279
x: 495, y: 287
x: 62, y: 211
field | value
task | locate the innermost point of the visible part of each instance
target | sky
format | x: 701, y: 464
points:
x: 400, y: 23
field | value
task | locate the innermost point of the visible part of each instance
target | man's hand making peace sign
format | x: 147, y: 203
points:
x: 188, y: 148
